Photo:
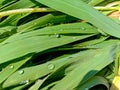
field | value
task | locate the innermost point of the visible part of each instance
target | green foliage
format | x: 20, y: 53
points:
x: 73, y: 47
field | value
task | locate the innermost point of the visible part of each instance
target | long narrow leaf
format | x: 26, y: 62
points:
x: 87, y: 69
x: 97, y: 80
x: 37, y: 42
x: 81, y: 10
x: 6, y: 72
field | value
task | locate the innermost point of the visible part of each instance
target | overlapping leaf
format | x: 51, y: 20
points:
x: 81, y: 10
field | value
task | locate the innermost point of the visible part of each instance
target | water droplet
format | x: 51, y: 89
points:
x: 26, y: 82
x: 51, y: 66
x: 57, y: 35
x: 74, y: 37
x: 11, y: 66
x: 83, y: 28
x: 21, y: 72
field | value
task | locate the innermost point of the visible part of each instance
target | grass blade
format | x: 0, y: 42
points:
x: 35, y: 41
x: 103, y: 57
x: 6, y: 72
x: 81, y: 10
x: 97, y: 80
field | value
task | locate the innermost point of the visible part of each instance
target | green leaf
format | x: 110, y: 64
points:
x: 81, y: 10
x: 37, y: 84
x: 19, y: 4
x: 95, y: 2
x: 73, y: 30
x: 7, y: 31
x: 43, y: 39
x: 44, y: 21
x: 12, y: 20
x: 11, y: 68
x: 38, y: 71
x: 97, y: 80
x: 87, y: 69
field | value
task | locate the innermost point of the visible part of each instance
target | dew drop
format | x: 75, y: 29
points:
x: 57, y: 35
x: 51, y: 66
x: 74, y: 37
x: 11, y: 66
x: 26, y: 82
x: 83, y: 28
x: 21, y: 72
